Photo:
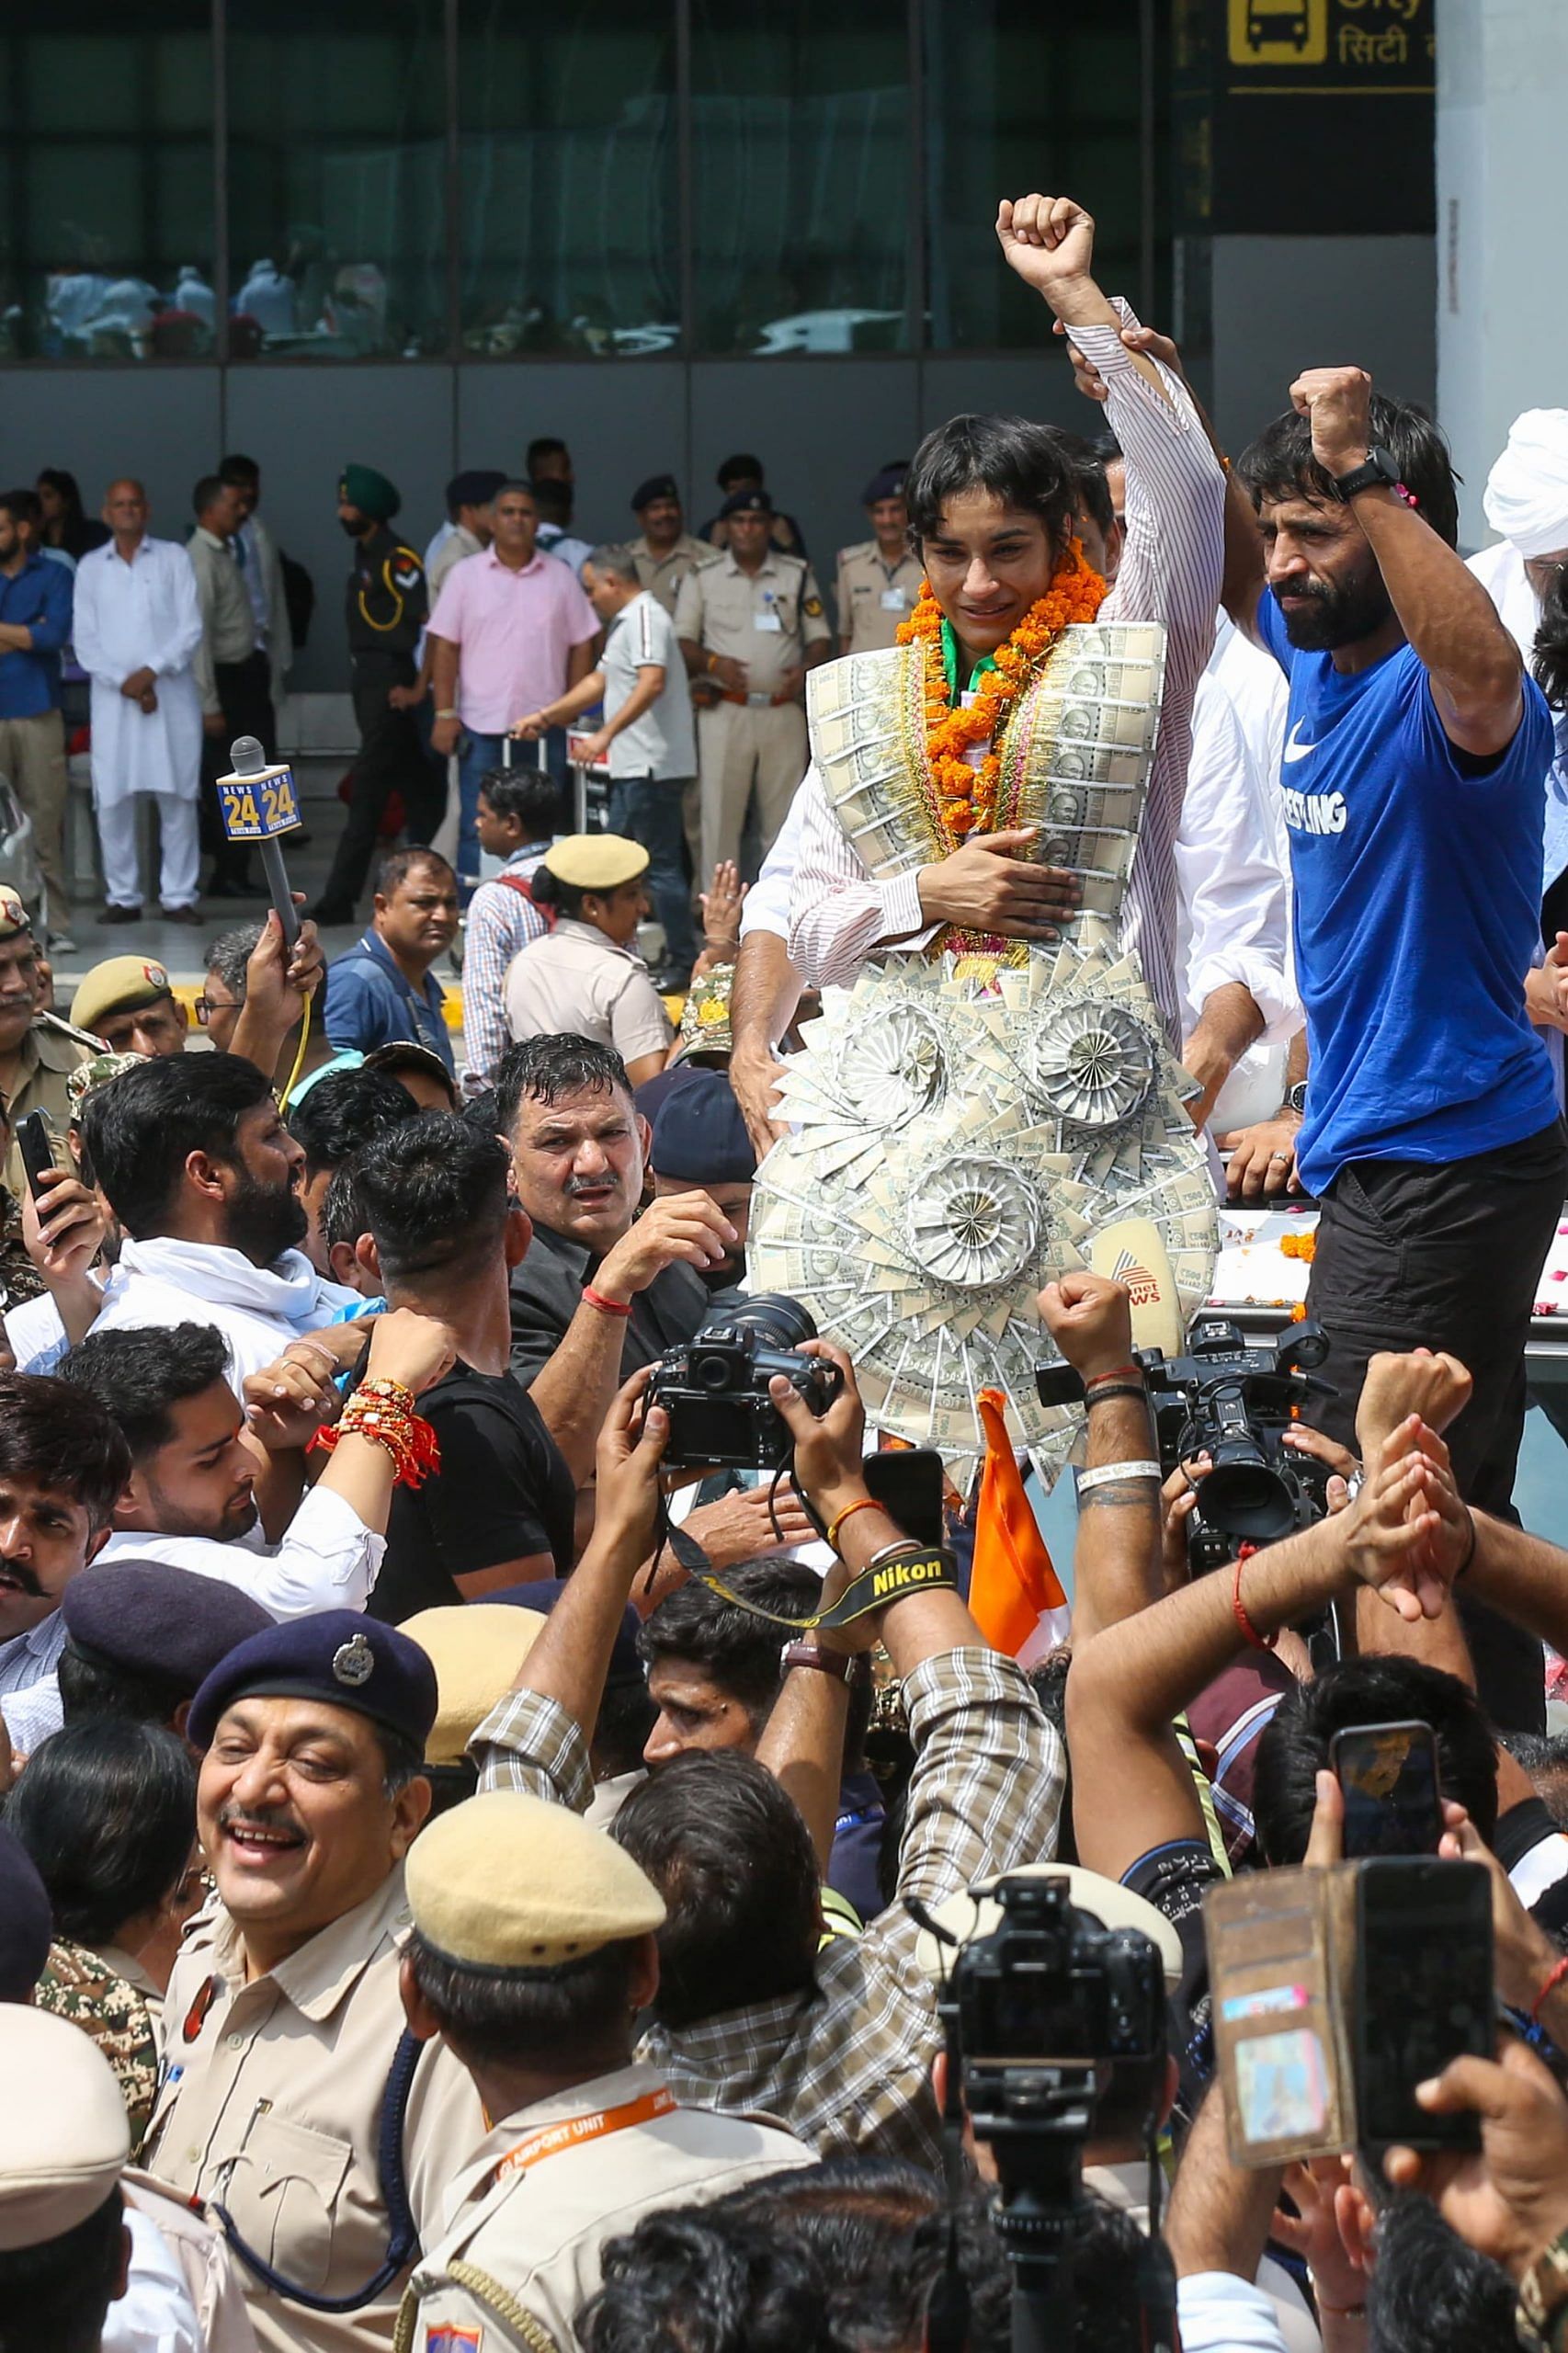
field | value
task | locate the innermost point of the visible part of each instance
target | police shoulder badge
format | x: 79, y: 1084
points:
x: 354, y: 1661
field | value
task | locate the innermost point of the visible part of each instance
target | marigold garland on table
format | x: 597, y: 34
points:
x: 966, y: 794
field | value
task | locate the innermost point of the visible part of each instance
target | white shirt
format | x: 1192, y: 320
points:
x: 1217, y: 2313
x: 328, y: 1560
x: 660, y: 742
x: 156, y: 2314
x: 142, y: 615
x: 1501, y: 572
x: 766, y: 905
x: 259, y: 1309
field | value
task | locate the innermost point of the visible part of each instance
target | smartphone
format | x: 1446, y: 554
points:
x: 1388, y: 1773
x: 36, y: 1149
x: 908, y: 1481
x: 1423, y: 1993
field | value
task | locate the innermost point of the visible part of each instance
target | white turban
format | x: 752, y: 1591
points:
x: 1526, y: 491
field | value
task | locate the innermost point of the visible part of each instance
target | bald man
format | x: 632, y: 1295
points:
x: 136, y: 626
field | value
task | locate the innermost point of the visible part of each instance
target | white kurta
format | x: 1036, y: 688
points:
x: 128, y: 617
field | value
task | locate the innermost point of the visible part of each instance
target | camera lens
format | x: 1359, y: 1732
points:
x: 779, y: 1321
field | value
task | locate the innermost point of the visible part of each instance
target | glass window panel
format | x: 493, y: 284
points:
x: 338, y: 223
x: 106, y: 232
x: 800, y: 162
x: 1021, y: 96
x: 569, y: 177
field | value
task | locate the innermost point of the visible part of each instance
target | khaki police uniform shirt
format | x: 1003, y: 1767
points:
x: 873, y: 598
x: 271, y: 2107
x: 765, y: 618
x: 536, y: 2236
x: 576, y: 981
x: 663, y: 574
x: 48, y: 1058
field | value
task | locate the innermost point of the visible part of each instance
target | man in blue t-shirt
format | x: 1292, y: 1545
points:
x: 1413, y: 781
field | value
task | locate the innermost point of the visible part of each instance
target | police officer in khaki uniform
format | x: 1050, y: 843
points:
x: 665, y: 549
x: 510, y: 1895
x: 878, y: 581
x: 287, y: 2066
x: 37, y: 1052
x: 750, y: 626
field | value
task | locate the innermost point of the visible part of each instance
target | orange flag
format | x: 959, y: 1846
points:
x: 1015, y: 1596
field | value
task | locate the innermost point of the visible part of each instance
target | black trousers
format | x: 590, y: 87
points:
x: 1412, y: 1254
x: 392, y: 755
x: 245, y: 689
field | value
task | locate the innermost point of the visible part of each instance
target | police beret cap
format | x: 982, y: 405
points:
x: 699, y: 1134
x: 150, y: 1618
x: 746, y: 502
x: 13, y: 916
x: 477, y: 487
x: 886, y: 483
x: 595, y: 861
x: 336, y: 1656
x: 656, y: 487
x: 509, y: 1881
x: 66, y: 2139
x: 370, y: 492
x: 26, y: 1921
x: 476, y: 1649
x: 119, y: 985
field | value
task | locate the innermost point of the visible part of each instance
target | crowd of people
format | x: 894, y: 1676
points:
x: 469, y: 1880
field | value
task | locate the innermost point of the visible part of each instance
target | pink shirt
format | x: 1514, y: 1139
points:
x: 513, y: 632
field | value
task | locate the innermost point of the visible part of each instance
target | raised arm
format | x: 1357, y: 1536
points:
x: 1471, y: 661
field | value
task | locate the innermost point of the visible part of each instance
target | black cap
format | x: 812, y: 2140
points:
x: 656, y: 487
x: 337, y: 1656
x: 150, y: 1618
x: 27, y: 1921
x: 699, y: 1134
x: 887, y: 483
x: 477, y: 487
x: 745, y: 502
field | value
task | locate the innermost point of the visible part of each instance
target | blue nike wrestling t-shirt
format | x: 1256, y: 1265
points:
x: 1417, y: 891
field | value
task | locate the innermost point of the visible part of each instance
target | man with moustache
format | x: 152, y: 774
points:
x: 287, y: 2072
x: 63, y: 1464
x: 1413, y: 783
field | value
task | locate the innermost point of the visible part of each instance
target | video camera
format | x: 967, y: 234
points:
x: 1034, y: 2011
x: 1234, y: 1404
x: 715, y: 1389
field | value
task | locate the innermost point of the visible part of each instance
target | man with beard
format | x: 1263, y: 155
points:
x: 1413, y: 786
x: 204, y: 1179
x: 291, y: 2101
x: 63, y: 1464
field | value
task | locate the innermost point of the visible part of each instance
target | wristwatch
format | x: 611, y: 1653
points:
x: 839, y: 1663
x: 1296, y: 1098
x: 1379, y: 472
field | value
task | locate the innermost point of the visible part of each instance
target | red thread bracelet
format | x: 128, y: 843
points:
x: 1555, y: 1977
x: 1117, y: 1373
x: 1258, y: 1641
x: 606, y: 1306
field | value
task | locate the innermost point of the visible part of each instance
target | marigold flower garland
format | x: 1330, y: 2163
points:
x: 966, y: 794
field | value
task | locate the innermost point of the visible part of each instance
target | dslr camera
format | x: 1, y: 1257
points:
x: 1036, y: 2009
x: 715, y: 1389
x: 1234, y: 1404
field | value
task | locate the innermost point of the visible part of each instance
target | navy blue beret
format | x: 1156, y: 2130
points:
x: 625, y: 1666
x: 887, y: 483
x: 746, y: 502
x: 475, y: 488
x: 26, y: 1923
x: 337, y: 1656
x: 150, y: 1618
x: 699, y: 1134
x: 656, y: 487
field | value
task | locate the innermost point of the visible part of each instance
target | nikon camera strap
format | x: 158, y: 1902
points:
x: 905, y: 1569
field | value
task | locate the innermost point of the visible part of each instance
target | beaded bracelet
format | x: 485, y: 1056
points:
x: 383, y: 1411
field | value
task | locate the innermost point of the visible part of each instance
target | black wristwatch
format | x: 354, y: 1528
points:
x: 1379, y: 472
